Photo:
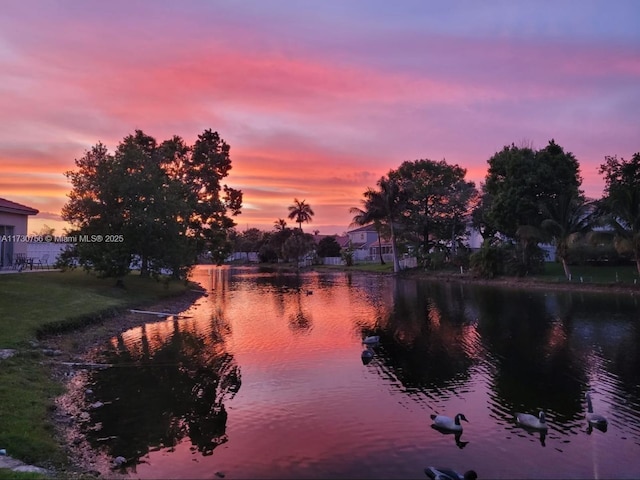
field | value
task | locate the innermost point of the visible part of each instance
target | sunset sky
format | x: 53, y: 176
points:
x: 317, y: 99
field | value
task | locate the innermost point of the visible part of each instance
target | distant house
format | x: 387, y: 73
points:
x: 13, y: 224
x: 365, y: 245
x: 364, y: 242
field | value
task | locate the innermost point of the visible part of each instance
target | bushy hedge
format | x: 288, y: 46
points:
x: 495, y: 259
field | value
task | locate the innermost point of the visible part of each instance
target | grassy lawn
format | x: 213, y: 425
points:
x: 360, y: 267
x: 619, y: 274
x: 626, y: 274
x: 34, y: 304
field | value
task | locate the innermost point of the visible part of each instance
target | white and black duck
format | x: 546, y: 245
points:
x: 531, y: 421
x: 442, y: 422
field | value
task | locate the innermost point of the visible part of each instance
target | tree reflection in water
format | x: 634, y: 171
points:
x: 299, y: 321
x: 169, y: 383
x: 422, y: 339
x: 437, y: 333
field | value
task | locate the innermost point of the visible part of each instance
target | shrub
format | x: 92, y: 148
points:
x: 486, y: 262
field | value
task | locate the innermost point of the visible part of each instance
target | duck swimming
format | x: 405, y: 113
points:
x: 371, y: 340
x: 447, y: 423
x: 595, y: 419
x: 531, y: 421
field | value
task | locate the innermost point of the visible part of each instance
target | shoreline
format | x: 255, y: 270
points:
x: 501, y: 282
x: 527, y: 283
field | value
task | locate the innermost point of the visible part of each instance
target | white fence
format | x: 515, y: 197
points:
x: 243, y: 257
x: 46, y: 251
x: 408, y: 262
x: 332, y: 261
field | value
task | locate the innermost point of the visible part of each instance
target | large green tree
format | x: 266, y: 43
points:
x: 438, y: 201
x: 297, y: 246
x: 568, y: 219
x: 329, y: 247
x: 96, y: 208
x: 620, y: 205
x: 518, y: 182
x: 519, y: 179
x: 165, y: 203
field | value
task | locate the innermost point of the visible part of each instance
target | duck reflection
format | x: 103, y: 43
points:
x: 457, y: 436
x: 541, y: 434
x: 601, y: 427
x: 367, y: 355
x: 169, y: 383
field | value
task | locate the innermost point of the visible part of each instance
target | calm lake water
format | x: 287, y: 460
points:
x: 265, y: 380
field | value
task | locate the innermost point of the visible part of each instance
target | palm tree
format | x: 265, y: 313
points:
x: 366, y: 215
x: 280, y: 224
x: 389, y: 199
x: 568, y: 217
x: 621, y: 202
x: 623, y: 210
x: 528, y: 236
x: 388, y: 202
x: 300, y: 211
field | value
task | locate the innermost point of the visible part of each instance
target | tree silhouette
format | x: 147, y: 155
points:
x: 620, y: 205
x: 370, y: 213
x: 300, y: 211
x: 280, y: 224
x: 568, y: 217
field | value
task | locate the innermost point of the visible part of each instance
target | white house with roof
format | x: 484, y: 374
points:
x: 364, y: 243
x: 366, y: 248
x: 13, y: 228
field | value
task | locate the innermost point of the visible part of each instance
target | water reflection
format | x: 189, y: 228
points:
x: 457, y: 436
x: 310, y: 408
x: 170, y: 383
x: 541, y: 435
x: 420, y: 350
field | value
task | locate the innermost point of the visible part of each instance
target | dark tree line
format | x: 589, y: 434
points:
x: 528, y: 197
x: 150, y: 205
x: 284, y: 243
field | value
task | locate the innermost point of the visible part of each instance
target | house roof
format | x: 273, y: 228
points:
x: 343, y: 240
x: 317, y: 237
x: 366, y: 228
x: 7, y: 206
